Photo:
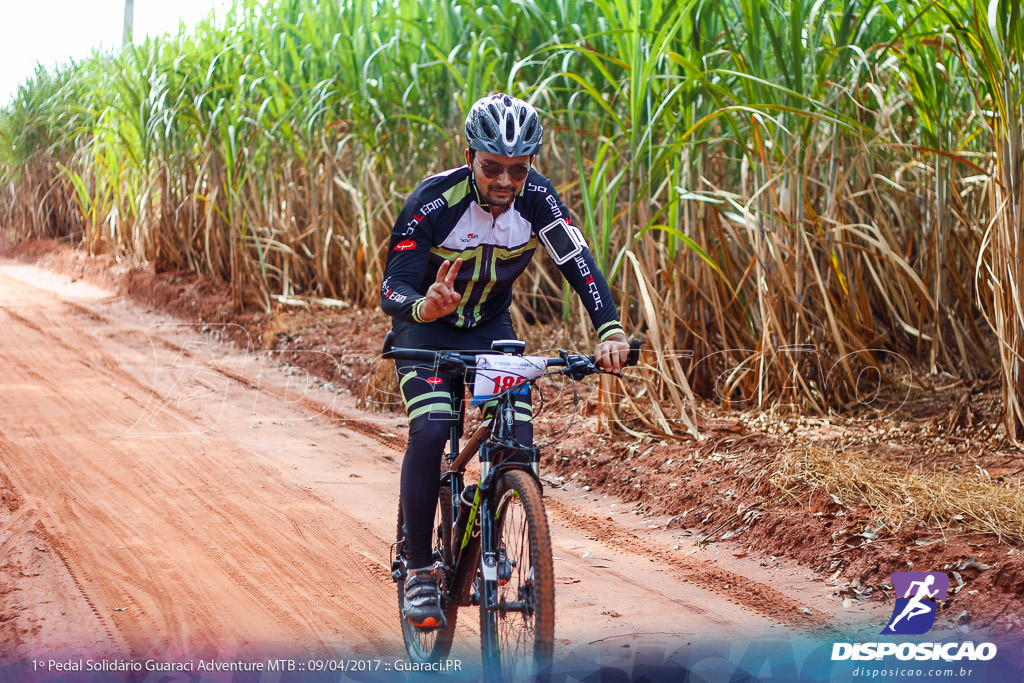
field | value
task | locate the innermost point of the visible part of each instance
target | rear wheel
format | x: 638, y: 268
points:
x: 517, y: 631
x: 431, y: 645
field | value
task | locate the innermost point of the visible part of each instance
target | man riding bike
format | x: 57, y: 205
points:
x: 461, y: 240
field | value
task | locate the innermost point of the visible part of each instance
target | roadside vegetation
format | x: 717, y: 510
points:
x: 809, y: 198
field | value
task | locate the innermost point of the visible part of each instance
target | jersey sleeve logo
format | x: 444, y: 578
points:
x: 405, y: 245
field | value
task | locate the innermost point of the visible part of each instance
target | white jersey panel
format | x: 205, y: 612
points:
x: 477, y: 226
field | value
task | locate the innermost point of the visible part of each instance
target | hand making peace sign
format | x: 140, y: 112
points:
x: 441, y: 298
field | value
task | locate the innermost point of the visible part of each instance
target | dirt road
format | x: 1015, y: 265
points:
x: 168, y: 495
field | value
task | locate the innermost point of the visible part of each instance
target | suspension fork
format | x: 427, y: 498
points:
x: 488, y: 556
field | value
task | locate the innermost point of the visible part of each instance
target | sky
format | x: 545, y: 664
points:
x: 51, y: 32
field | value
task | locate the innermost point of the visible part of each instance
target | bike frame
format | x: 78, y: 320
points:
x: 494, y: 440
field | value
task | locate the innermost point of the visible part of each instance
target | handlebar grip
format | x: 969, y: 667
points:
x: 389, y: 342
x: 634, y: 352
x: 417, y: 355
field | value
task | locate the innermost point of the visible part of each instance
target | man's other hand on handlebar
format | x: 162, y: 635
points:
x: 610, y: 355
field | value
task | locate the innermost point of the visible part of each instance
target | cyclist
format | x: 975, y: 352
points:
x: 461, y: 240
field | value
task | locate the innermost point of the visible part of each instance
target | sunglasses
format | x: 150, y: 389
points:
x: 494, y: 170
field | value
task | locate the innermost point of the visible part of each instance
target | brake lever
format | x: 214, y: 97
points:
x: 449, y: 364
x: 576, y: 366
x: 634, y: 352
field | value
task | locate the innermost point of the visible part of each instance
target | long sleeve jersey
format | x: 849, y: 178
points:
x: 443, y: 219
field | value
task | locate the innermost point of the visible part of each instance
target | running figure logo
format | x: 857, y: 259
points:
x: 914, y: 613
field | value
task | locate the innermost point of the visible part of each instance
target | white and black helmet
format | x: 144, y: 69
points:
x: 503, y: 125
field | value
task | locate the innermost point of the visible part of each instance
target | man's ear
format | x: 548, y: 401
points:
x: 469, y: 157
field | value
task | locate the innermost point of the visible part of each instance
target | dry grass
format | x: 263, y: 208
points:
x: 952, y: 502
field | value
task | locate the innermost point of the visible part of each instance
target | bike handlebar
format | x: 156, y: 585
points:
x: 576, y: 365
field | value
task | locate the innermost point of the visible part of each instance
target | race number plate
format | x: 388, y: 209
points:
x: 496, y: 373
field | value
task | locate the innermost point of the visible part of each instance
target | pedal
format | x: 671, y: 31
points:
x: 397, y: 566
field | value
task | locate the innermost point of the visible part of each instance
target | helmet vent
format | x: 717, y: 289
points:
x: 504, y: 125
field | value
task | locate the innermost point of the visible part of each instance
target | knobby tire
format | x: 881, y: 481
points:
x: 516, y: 644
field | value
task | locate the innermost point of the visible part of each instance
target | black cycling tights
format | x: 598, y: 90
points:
x: 420, y: 471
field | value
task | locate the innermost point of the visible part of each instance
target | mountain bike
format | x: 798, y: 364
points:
x: 491, y: 541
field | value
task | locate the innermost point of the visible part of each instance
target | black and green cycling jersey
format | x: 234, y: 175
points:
x: 444, y: 219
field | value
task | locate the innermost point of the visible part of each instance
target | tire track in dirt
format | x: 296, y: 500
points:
x: 313, y: 408
x: 109, y: 627
x: 107, y: 365
x: 733, y: 587
x: 356, y: 614
x: 125, y: 584
x: 26, y: 519
x: 327, y: 575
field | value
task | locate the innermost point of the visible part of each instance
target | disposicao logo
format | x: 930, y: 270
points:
x: 913, y: 614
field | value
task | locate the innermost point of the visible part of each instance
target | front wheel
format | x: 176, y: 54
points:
x: 432, y: 644
x: 517, y: 604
